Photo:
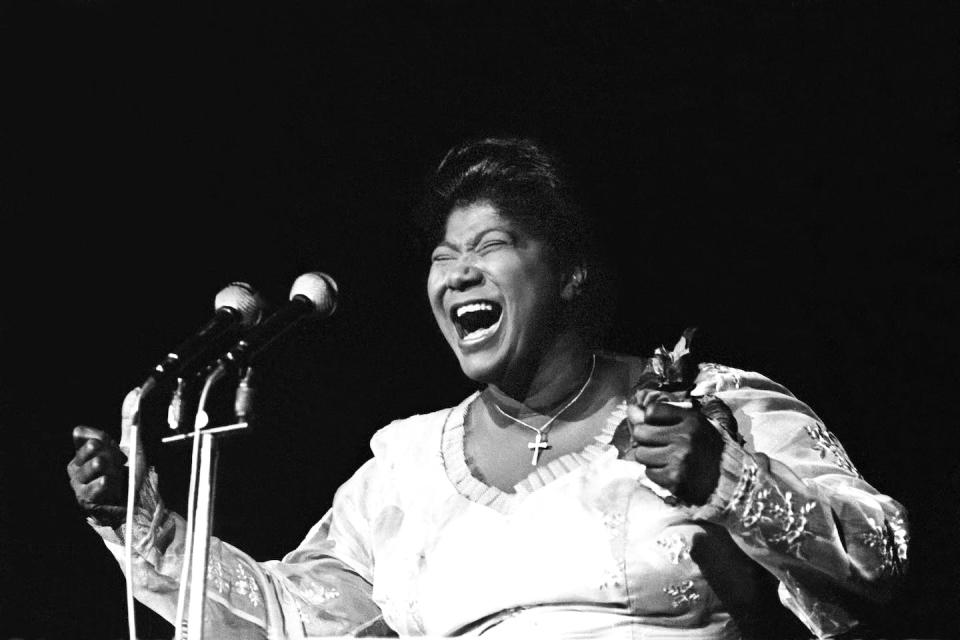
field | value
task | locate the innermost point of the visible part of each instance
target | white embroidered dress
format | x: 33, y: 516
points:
x: 582, y: 548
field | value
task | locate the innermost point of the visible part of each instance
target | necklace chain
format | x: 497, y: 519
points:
x: 541, y: 442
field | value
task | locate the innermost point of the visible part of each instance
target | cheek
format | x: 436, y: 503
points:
x: 538, y: 289
x: 434, y: 288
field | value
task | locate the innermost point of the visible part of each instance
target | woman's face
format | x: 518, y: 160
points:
x: 495, y: 292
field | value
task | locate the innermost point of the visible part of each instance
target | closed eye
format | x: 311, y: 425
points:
x: 490, y: 245
x: 441, y: 256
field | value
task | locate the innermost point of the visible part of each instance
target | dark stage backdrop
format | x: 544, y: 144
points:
x: 780, y: 174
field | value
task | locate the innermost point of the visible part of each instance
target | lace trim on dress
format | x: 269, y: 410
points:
x: 460, y: 475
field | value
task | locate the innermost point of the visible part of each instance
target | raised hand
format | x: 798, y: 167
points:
x: 98, y: 472
x: 679, y: 447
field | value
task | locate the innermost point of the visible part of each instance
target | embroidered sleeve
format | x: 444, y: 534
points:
x: 793, y: 501
x: 322, y: 588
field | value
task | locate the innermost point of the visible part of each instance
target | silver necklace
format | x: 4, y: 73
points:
x: 541, y: 443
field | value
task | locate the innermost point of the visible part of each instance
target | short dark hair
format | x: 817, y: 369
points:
x: 532, y: 188
x: 528, y: 185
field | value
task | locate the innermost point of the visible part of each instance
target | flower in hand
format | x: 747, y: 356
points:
x: 679, y: 447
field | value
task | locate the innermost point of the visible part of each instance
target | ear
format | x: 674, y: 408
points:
x: 575, y: 283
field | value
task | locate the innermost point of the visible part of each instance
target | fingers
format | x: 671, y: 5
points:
x: 662, y: 414
x: 656, y: 407
x: 82, y: 434
x: 662, y: 466
x: 86, y: 451
x: 650, y: 456
x: 679, y: 449
x: 658, y: 455
x: 97, y: 457
x: 96, y: 442
x: 98, y: 482
x: 93, y: 492
x: 648, y: 425
x: 97, y: 473
x: 653, y: 436
x: 669, y: 477
x: 105, y: 490
x: 101, y: 464
x: 644, y: 397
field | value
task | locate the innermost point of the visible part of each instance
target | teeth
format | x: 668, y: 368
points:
x: 479, y: 334
x: 470, y: 319
x: 473, y: 307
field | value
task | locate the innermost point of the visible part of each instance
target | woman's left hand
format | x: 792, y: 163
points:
x: 679, y: 447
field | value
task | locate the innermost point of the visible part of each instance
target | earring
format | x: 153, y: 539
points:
x: 577, y: 279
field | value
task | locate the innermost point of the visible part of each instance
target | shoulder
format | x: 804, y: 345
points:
x: 406, y: 460
x: 710, y: 378
x: 751, y: 393
x: 768, y: 415
x: 416, y: 434
x: 713, y: 378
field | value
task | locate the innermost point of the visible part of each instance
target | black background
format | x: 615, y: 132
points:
x: 780, y: 174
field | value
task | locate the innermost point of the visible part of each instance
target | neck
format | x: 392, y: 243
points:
x: 561, y: 371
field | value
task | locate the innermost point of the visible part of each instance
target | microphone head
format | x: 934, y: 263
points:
x: 320, y: 289
x: 240, y: 297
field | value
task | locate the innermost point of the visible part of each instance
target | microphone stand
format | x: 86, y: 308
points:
x: 132, y: 471
x: 200, y: 500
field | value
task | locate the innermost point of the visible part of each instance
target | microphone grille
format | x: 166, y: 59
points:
x: 319, y: 288
x: 242, y: 298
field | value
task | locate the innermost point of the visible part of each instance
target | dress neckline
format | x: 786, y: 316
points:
x: 469, y: 486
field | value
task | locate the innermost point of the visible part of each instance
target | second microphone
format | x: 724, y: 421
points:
x: 313, y: 295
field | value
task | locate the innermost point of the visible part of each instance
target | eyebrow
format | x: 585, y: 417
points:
x: 475, y: 240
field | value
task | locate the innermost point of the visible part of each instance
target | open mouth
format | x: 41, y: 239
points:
x: 477, y: 319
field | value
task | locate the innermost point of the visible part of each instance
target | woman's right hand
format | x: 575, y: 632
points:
x: 98, y: 472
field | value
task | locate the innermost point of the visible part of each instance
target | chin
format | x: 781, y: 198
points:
x: 480, y: 369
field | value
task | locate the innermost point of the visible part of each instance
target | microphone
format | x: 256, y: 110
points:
x: 237, y: 306
x: 314, y: 294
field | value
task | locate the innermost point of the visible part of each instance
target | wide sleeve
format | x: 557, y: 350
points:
x: 793, y: 501
x: 322, y: 588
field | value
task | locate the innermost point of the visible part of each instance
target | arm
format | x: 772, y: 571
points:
x: 792, y: 501
x: 321, y: 588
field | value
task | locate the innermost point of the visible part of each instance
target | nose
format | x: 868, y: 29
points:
x: 463, y: 276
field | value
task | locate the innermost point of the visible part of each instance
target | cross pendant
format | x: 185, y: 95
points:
x: 537, y: 446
